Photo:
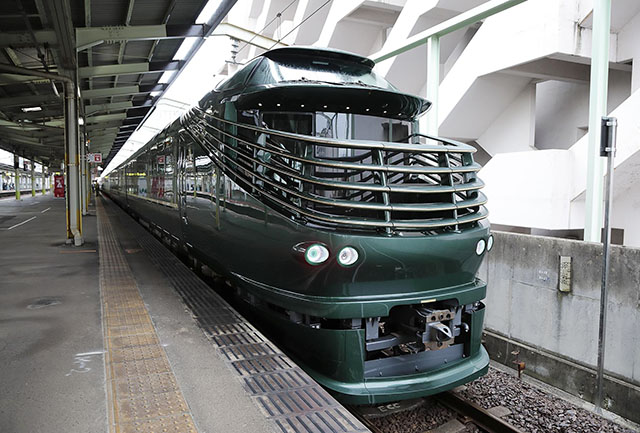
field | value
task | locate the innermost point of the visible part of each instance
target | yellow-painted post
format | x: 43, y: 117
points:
x: 33, y: 178
x: 44, y: 183
x: 16, y: 183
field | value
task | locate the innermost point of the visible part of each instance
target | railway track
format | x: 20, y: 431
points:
x: 468, y: 412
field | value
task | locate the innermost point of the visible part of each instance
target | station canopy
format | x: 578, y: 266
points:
x: 123, y: 54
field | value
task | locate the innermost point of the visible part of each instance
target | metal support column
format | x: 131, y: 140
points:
x: 608, y: 149
x: 73, y: 167
x: 74, y: 218
x: 83, y: 174
x: 597, y: 109
x: 44, y: 180
x: 16, y: 183
x: 33, y: 178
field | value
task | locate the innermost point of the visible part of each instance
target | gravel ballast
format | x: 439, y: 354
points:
x: 531, y: 410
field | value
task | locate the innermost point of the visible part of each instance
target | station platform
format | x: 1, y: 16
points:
x: 118, y: 335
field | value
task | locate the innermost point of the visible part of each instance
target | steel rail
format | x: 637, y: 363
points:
x: 477, y: 413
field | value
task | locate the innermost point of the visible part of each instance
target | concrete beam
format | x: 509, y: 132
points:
x: 464, y: 19
x: 87, y: 37
x: 127, y: 68
x: 552, y: 69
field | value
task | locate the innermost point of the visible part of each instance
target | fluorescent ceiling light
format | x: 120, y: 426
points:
x: 208, y: 11
x: 166, y: 77
x: 156, y: 93
x: 185, y: 48
x: 29, y: 109
x: 80, y: 121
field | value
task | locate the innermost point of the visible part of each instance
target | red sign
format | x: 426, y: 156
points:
x: 58, y: 186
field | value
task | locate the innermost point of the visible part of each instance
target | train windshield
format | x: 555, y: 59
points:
x: 342, y: 126
x: 306, y: 69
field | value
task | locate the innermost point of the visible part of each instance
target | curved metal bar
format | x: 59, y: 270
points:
x: 270, y: 164
x: 352, y: 144
x: 373, y: 167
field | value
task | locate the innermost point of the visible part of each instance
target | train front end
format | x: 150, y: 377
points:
x: 366, y: 235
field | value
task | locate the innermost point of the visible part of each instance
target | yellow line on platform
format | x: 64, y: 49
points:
x: 142, y: 392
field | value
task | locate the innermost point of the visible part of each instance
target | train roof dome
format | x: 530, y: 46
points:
x: 287, y: 52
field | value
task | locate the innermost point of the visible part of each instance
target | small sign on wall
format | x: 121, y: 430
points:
x: 95, y: 158
x: 564, y: 277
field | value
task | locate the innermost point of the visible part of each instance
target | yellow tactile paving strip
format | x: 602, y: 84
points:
x: 143, y: 394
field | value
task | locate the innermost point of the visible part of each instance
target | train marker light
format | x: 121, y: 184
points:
x: 490, y: 243
x: 316, y: 254
x: 347, y: 256
x: 480, y: 246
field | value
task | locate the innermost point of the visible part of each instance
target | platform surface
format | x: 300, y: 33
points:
x: 119, y: 335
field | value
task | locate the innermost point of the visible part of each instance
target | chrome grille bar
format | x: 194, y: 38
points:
x: 385, y: 185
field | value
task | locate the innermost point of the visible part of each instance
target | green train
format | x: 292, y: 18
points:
x: 304, y: 180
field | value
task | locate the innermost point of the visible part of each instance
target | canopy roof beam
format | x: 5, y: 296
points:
x: 88, y: 37
x: 128, y: 68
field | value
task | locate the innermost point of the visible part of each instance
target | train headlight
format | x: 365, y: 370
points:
x: 490, y: 243
x: 347, y: 256
x: 316, y: 254
x: 480, y: 246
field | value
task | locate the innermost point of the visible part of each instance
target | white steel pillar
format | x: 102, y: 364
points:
x: 597, y: 109
x: 83, y: 174
x: 433, y: 84
x: 74, y: 226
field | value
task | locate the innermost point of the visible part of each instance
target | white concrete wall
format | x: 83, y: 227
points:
x: 629, y: 48
x: 514, y: 129
x: 527, y: 189
x: 523, y: 270
x: 562, y: 109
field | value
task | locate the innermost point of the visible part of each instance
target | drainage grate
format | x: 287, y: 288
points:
x: 282, y: 391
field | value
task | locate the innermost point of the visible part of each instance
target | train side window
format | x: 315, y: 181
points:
x: 169, y: 169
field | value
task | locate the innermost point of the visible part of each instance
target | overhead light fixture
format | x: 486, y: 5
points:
x: 207, y: 12
x: 30, y: 109
x: 80, y: 121
x: 185, y: 48
x: 166, y: 77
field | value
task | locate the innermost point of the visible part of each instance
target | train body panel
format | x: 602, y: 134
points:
x: 303, y: 181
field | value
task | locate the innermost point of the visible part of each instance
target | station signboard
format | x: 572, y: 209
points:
x: 95, y: 158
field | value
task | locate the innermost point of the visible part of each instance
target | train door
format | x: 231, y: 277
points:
x: 198, y: 205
